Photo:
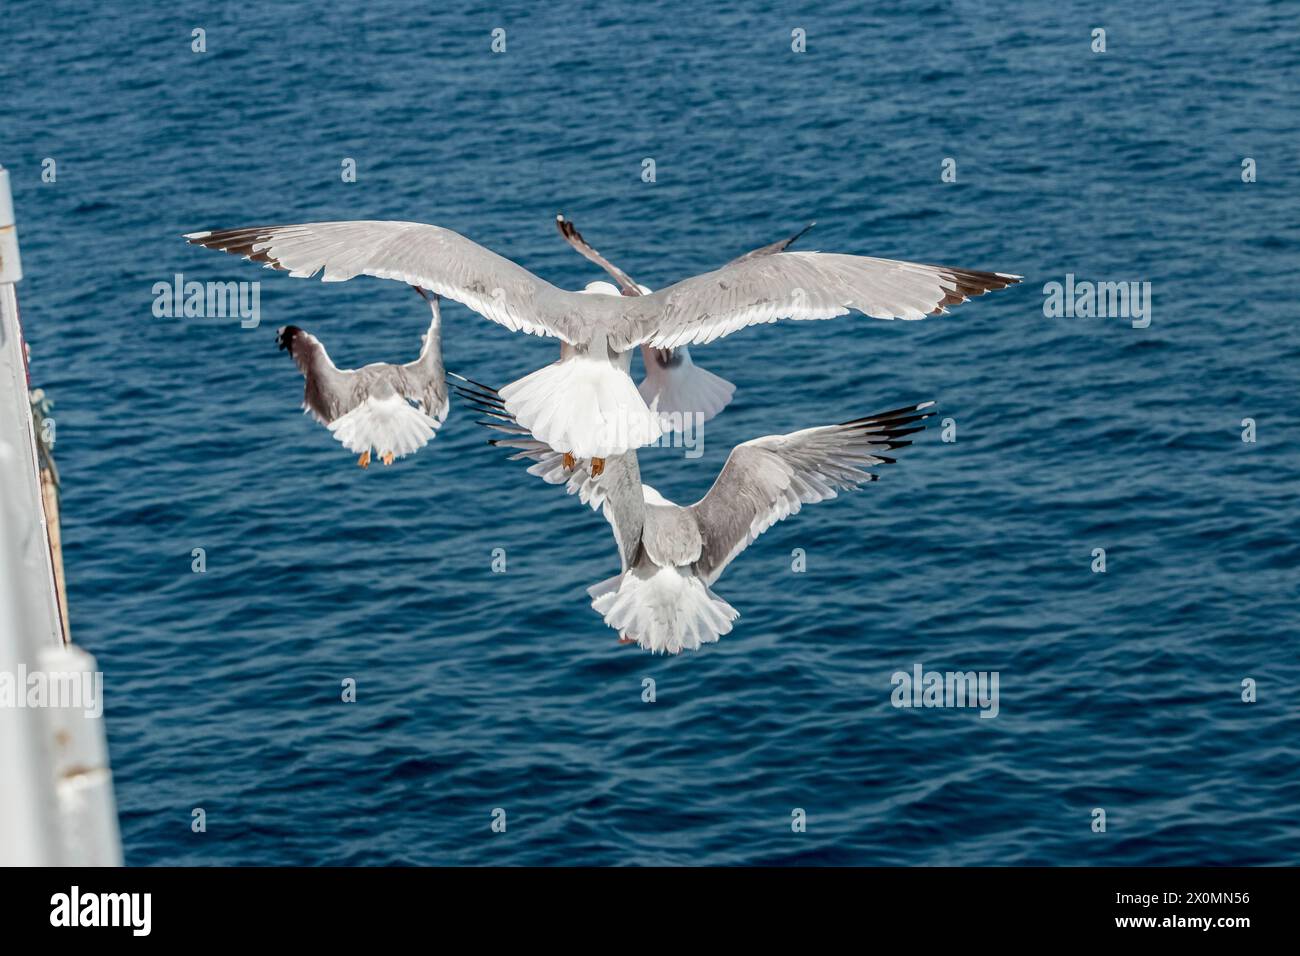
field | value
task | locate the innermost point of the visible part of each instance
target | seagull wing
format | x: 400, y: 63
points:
x: 673, y: 384
x: 796, y: 285
x: 569, y: 231
x: 331, y: 392
x: 434, y: 258
x: 772, y: 248
x: 424, y: 381
x: 783, y: 285
x: 616, y: 492
x: 769, y: 479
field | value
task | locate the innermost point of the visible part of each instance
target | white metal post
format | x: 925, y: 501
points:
x: 29, y: 830
x: 20, y: 480
x: 56, y: 796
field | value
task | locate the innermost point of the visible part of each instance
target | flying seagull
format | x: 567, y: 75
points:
x: 587, y: 406
x: 674, y: 386
x: 371, y: 407
x: 670, y: 555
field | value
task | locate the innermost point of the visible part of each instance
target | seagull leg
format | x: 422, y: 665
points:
x: 597, y: 467
x: 364, y: 460
x: 387, y: 457
x: 627, y: 640
x: 570, y: 462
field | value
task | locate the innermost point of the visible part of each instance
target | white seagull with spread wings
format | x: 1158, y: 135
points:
x: 678, y: 392
x: 674, y: 386
x: 586, y: 405
x: 393, y: 409
x: 671, y: 556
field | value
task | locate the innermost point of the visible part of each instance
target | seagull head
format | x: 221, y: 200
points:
x: 284, y: 336
x: 600, y: 288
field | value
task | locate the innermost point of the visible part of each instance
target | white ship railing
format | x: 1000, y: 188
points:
x: 56, y: 789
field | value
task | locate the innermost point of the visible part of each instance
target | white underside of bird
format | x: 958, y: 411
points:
x: 387, y: 425
x: 662, y: 603
x: 669, y: 610
x: 585, y: 404
x: 680, y: 391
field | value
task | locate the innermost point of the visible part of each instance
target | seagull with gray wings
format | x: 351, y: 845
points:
x: 670, y: 555
x: 680, y: 393
x: 586, y: 405
x: 674, y: 386
x: 392, y: 409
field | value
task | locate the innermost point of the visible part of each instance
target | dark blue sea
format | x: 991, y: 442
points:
x: 476, y: 691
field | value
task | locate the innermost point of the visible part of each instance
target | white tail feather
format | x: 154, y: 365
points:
x: 583, y: 406
x: 665, y: 609
x: 683, y: 388
x: 384, y: 424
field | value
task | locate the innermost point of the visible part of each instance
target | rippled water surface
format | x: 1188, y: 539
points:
x: 478, y: 690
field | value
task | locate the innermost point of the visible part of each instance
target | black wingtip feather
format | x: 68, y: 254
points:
x: 477, y: 397
x: 894, y: 433
x: 800, y: 234
x: 493, y: 396
x: 883, y: 417
x: 483, y: 407
x: 486, y: 388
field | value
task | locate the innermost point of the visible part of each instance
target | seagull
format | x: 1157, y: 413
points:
x: 587, y: 405
x: 670, y: 555
x: 674, y: 386
x: 371, y: 407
